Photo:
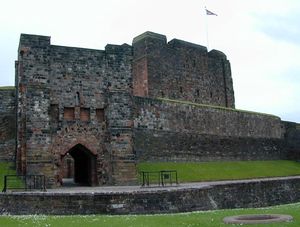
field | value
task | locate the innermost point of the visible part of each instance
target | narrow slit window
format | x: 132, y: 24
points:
x: 54, y: 113
x: 77, y: 99
x: 100, y: 115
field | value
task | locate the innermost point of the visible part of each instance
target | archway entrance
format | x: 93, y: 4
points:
x: 79, y: 164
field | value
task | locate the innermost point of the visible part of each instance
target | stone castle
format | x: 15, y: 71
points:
x: 93, y: 114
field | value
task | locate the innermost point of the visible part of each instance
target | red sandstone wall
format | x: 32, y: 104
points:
x: 181, y: 70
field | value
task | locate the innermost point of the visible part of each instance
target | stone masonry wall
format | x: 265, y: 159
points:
x: 167, y: 130
x: 222, y: 195
x: 180, y: 70
x: 70, y: 97
x: 292, y: 138
x: 7, y: 124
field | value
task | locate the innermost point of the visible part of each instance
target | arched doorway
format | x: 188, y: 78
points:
x: 80, y: 164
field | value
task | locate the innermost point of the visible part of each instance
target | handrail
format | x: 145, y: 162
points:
x: 159, y: 178
x: 24, y: 182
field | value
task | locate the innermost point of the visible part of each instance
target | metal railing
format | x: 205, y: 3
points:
x: 24, y: 182
x: 159, y: 178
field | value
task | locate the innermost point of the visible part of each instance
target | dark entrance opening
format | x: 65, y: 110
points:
x: 79, y: 164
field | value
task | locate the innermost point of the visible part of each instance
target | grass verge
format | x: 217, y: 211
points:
x: 7, y: 88
x: 211, y: 171
x: 191, y: 219
x: 7, y: 168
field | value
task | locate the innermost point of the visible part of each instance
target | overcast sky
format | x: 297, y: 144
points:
x: 261, y: 38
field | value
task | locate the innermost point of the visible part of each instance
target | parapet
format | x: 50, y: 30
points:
x: 34, y: 40
x: 118, y: 49
x: 150, y: 35
x: 217, y: 54
x: 177, y: 43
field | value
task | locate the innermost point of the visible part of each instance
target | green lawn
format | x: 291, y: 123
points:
x: 192, y: 219
x: 7, y: 88
x: 7, y: 168
x: 210, y: 171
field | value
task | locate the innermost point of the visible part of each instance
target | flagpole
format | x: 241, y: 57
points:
x: 208, y: 13
x: 206, y: 22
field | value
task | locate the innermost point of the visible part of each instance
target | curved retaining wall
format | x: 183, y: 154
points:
x: 218, y: 195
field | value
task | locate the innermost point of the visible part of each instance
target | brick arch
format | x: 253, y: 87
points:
x: 68, y: 147
x: 63, y: 142
x: 84, y: 164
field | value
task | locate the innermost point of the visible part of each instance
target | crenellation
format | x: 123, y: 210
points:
x: 187, y: 46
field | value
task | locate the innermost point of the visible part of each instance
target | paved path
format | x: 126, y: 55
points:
x: 126, y: 189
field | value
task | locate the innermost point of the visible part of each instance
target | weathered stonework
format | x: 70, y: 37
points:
x: 175, y: 131
x: 98, y: 112
x: 75, y: 101
x: 292, y: 139
x: 180, y: 70
x: 7, y: 124
x: 221, y: 195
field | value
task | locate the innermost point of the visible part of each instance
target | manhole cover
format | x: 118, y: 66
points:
x: 257, y: 218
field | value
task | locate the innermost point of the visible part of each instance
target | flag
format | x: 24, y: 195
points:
x: 210, y: 13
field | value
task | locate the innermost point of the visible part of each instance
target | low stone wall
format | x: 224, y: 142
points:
x: 222, y: 195
x: 7, y: 124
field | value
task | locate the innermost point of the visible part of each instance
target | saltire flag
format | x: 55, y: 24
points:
x: 210, y: 13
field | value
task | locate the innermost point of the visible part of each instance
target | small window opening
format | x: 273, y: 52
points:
x: 22, y: 53
x: 197, y: 92
x: 69, y: 113
x: 180, y: 89
x: 194, y: 63
x: 162, y: 94
x: 84, y: 114
x: 211, y: 94
x: 77, y: 99
x: 100, y: 115
x: 53, y: 112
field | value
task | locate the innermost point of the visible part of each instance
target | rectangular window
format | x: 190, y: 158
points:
x: 100, y: 115
x: 54, y: 113
x: 84, y: 114
x: 69, y: 113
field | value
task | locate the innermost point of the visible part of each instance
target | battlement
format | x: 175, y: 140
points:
x: 149, y: 42
x: 150, y: 35
x: 118, y: 49
x: 34, y: 40
x: 181, y: 44
x: 217, y: 54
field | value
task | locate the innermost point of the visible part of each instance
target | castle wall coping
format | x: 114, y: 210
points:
x: 179, y: 102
